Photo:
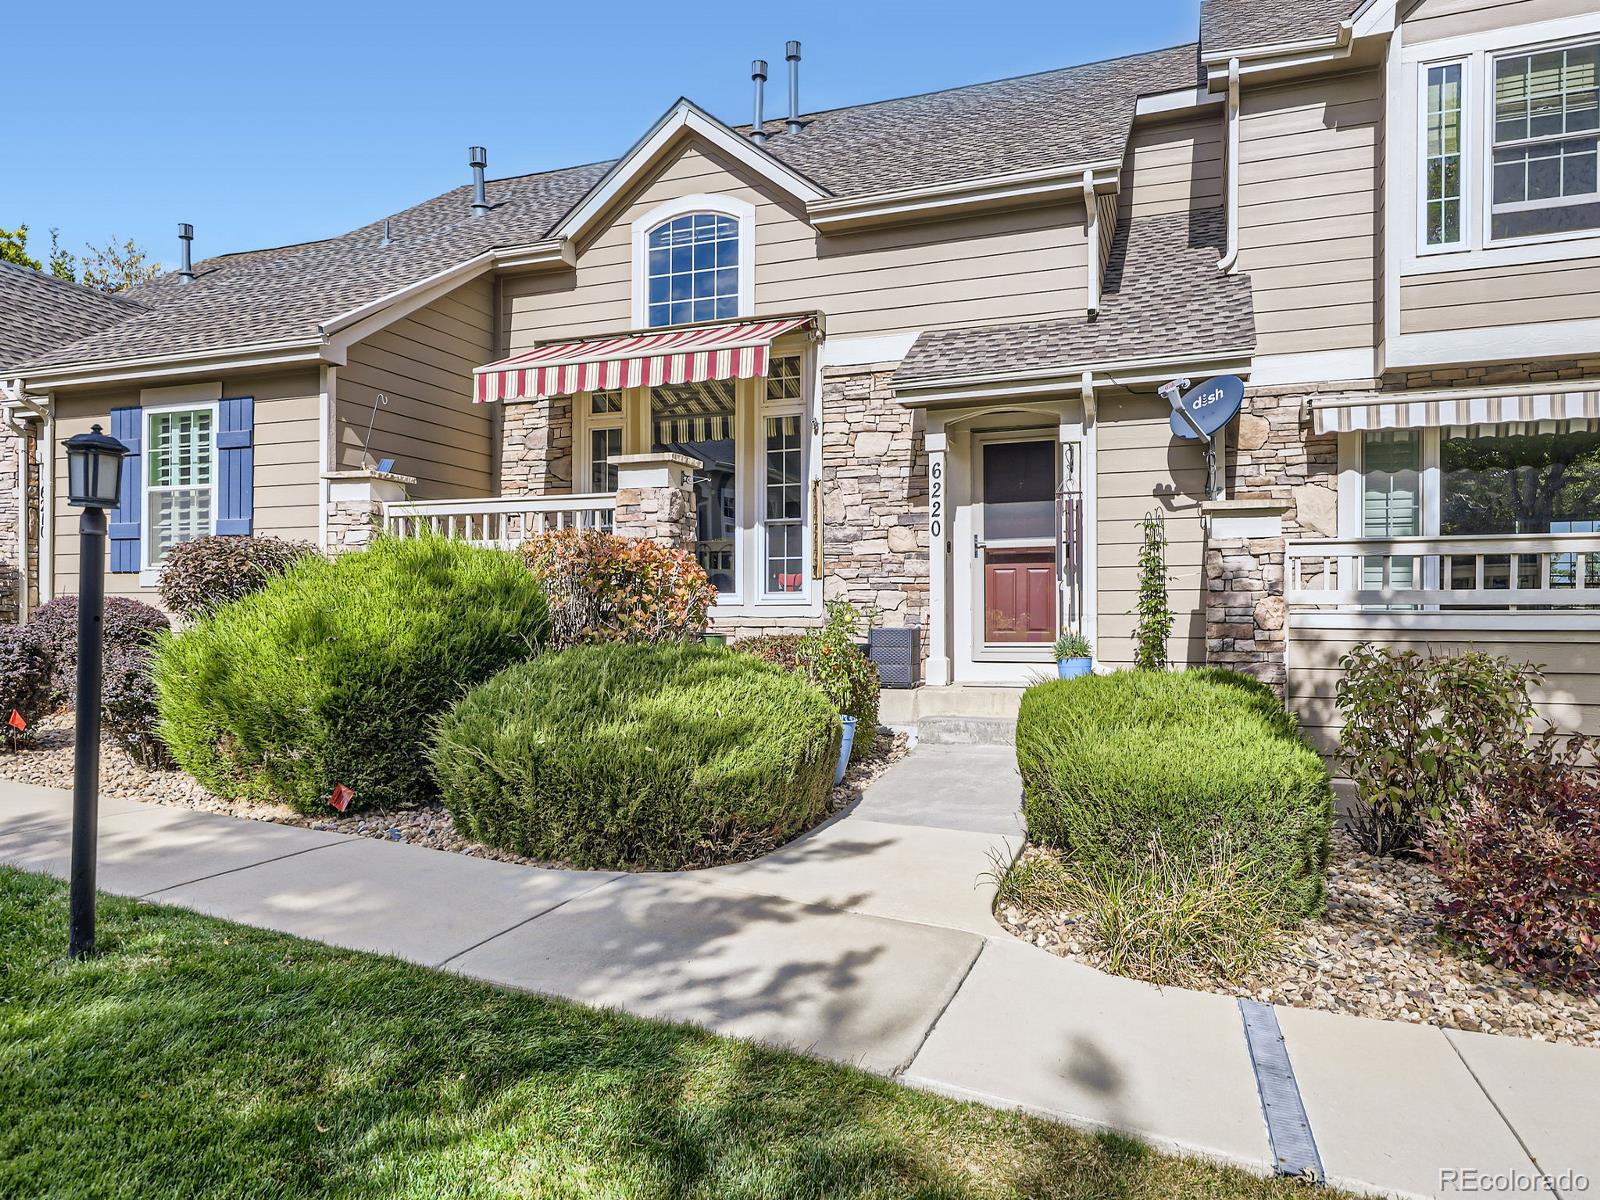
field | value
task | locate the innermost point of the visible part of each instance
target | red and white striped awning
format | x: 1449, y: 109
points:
x: 696, y: 354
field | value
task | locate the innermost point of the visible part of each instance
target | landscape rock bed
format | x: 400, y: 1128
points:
x: 1375, y: 952
x: 48, y: 762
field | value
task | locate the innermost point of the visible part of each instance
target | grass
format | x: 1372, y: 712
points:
x: 199, y: 1058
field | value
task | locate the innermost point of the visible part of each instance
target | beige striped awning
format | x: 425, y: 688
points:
x: 1421, y: 410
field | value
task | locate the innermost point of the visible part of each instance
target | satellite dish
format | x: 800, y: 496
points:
x: 1210, y: 405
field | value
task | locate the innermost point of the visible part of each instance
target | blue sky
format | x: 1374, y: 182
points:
x: 270, y: 124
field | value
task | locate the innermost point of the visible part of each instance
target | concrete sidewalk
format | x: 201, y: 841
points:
x: 870, y: 941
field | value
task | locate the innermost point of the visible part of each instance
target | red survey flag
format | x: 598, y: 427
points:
x: 17, y: 721
x: 341, y: 797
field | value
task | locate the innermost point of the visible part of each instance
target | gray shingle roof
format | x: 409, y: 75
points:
x: 1163, y: 297
x: 1235, y: 24
x: 39, y: 312
x: 1057, y: 118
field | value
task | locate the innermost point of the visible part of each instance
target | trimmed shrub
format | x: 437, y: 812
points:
x: 25, y: 684
x: 638, y: 757
x: 198, y: 576
x: 1521, y: 860
x: 1419, y: 731
x: 1192, y: 760
x: 128, y: 710
x: 605, y: 588
x: 333, y: 672
x: 831, y: 659
x: 127, y: 622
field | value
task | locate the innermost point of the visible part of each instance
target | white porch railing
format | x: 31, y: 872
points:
x: 1527, y: 570
x: 501, y: 523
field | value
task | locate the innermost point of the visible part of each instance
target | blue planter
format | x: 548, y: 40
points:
x: 844, y: 748
x: 1074, y: 668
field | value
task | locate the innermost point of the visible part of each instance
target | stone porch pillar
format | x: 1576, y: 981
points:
x: 355, y: 506
x: 1246, y: 618
x: 655, y: 498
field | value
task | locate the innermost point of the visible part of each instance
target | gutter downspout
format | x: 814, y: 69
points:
x: 1226, y: 263
x: 1091, y: 229
x: 47, y: 505
x: 12, y: 398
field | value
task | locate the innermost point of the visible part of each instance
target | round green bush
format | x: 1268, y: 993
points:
x: 334, y: 671
x: 638, y: 757
x: 1186, y: 760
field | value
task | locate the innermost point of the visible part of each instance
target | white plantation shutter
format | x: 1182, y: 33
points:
x: 1391, y: 498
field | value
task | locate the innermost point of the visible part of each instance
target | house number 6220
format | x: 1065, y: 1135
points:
x: 936, y: 499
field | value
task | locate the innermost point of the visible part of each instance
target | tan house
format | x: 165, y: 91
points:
x: 908, y: 353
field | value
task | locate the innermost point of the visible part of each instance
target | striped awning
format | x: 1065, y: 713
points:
x: 694, y: 354
x: 1396, y: 410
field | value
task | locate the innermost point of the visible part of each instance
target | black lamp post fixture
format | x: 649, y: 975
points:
x: 94, y: 479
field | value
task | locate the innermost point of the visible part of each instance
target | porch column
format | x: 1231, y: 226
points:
x: 1246, y: 617
x: 937, y: 671
x: 355, y: 506
x: 655, y: 498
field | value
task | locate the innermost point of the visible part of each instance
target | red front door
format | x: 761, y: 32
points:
x: 1019, y: 595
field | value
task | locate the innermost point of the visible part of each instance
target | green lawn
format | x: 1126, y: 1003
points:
x: 200, y: 1058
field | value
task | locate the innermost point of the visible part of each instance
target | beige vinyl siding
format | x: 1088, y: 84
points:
x: 1173, y: 166
x: 1141, y: 468
x: 286, y: 471
x: 976, y: 270
x: 1495, y: 297
x: 1435, y: 19
x: 1308, y: 202
x: 423, y: 364
x: 1570, y: 696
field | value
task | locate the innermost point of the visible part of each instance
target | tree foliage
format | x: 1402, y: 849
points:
x: 14, y: 247
x: 118, y: 266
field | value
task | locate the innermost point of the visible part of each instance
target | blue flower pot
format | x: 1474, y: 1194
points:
x: 1074, y: 668
x: 844, y: 748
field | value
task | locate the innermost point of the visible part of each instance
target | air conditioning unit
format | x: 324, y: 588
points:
x: 895, y: 652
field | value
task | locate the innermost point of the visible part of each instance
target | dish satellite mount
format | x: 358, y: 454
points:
x: 1198, y: 413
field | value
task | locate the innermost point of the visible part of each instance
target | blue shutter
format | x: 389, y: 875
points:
x: 127, y: 427
x: 236, y: 466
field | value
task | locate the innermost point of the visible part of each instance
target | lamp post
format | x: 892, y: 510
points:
x: 94, y: 479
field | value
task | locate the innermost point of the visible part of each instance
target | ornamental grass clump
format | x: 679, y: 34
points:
x: 1200, y: 763
x: 638, y: 757
x: 333, y: 672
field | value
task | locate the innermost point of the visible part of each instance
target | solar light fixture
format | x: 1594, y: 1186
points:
x: 94, y: 477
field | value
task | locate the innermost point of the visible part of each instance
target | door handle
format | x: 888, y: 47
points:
x: 977, y: 546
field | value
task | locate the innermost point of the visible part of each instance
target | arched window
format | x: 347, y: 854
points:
x: 692, y: 273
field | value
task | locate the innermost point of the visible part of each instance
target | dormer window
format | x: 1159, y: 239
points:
x: 693, y: 269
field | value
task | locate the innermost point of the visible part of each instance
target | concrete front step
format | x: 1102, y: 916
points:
x: 966, y: 731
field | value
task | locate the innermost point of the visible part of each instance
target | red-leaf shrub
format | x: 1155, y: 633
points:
x: 1521, y: 860
x: 199, y: 575
x: 605, y: 588
x: 128, y: 710
x: 127, y: 622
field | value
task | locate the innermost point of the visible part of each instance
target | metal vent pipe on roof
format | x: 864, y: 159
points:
x: 185, y: 244
x: 791, y: 51
x: 758, y: 72
x: 479, y: 159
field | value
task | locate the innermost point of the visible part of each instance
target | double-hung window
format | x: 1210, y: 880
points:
x: 783, y: 501
x: 1546, y: 123
x: 180, y: 485
x: 604, y: 424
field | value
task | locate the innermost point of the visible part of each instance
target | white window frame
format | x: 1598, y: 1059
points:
x: 150, y: 573
x: 740, y: 211
x: 1466, y: 152
x: 797, y: 407
x: 585, y: 422
x: 1406, y: 191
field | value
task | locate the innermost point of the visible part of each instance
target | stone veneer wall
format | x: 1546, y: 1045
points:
x: 874, y: 498
x: 12, y: 576
x: 662, y: 514
x: 1245, y: 613
x: 352, y: 524
x: 536, y: 447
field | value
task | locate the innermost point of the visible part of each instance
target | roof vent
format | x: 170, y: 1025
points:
x: 791, y: 51
x: 480, y: 198
x: 186, y: 240
x: 387, y: 240
x: 758, y: 130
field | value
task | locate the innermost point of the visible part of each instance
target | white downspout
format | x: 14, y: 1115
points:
x: 1227, y: 261
x: 47, y: 504
x: 22, y: 527
x: 1091, y: 229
